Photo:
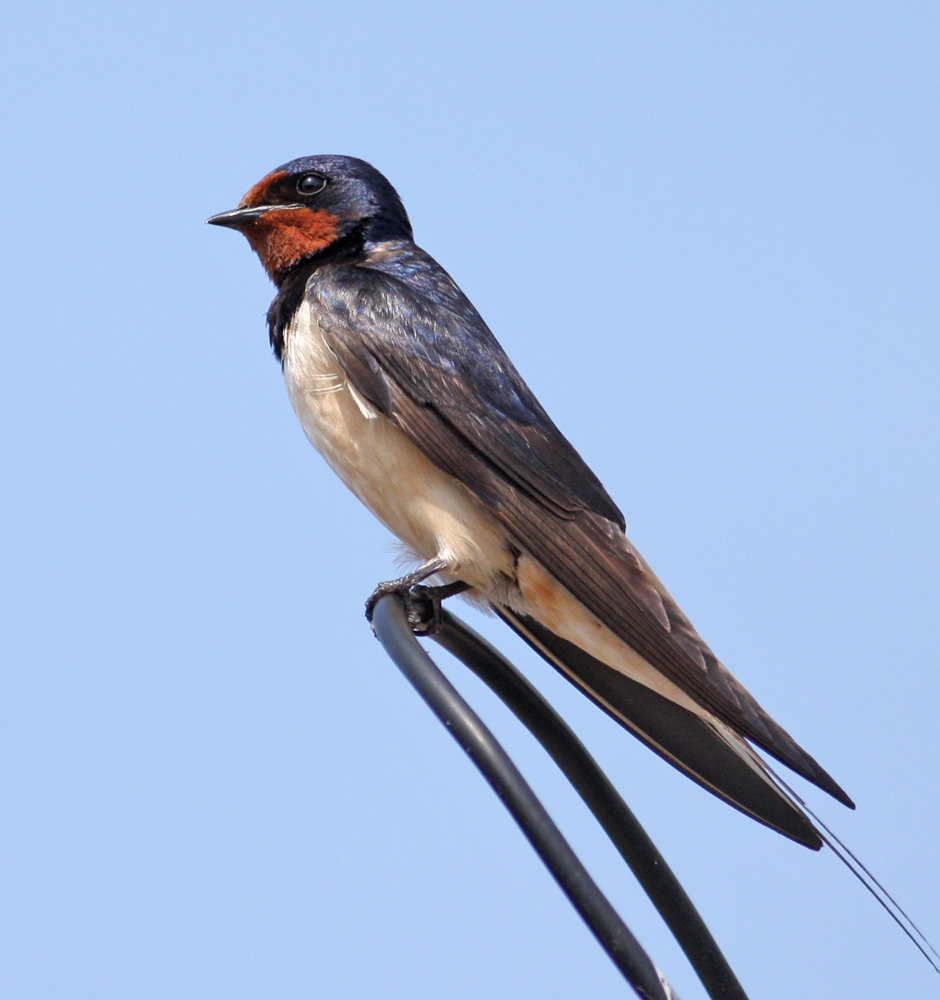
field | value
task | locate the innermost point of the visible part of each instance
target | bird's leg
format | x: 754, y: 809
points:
x: 422, y: 604
x: 404, y: 583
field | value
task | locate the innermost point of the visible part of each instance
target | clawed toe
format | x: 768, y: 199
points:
x: 403, y: 589
x: 422, y: 603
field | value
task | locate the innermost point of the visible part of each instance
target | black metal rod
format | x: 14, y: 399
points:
x: 601, y: 797
x: 393, y: 631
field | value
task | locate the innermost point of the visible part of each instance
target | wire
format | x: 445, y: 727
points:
x: 602, y: 798
x: 394, y: 632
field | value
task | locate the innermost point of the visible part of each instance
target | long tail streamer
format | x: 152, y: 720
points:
x: 888, y: 903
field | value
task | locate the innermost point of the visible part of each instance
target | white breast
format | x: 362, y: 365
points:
x: 430, y: 511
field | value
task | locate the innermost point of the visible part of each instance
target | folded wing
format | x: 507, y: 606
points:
x: 419, y: 352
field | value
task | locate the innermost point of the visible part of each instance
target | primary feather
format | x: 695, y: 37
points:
x: 413, y: 346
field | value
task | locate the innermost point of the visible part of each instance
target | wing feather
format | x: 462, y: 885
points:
x: 431, y: 366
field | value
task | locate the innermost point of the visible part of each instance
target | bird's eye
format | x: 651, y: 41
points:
x: 310, y: 184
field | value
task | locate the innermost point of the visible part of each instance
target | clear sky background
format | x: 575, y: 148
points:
x: 707, y: 235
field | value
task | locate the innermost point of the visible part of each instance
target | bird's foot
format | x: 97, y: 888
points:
x: 422, y: 604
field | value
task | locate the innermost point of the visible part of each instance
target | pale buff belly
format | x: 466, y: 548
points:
x: 431, y: 512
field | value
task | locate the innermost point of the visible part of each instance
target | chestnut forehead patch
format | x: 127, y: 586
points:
x: 257, y: 194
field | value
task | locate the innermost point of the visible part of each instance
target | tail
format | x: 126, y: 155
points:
x: 710, y: 753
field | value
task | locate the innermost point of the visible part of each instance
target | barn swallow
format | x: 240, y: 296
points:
x: 403, y: 389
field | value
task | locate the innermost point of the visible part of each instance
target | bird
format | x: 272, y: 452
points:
x: 403, y: 389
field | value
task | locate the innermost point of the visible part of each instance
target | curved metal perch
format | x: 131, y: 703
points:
x: 393, y: 624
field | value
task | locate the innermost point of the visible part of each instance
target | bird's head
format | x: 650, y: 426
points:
x: 308, y: 205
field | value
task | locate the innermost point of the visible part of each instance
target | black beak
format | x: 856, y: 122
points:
x: 239, y: 217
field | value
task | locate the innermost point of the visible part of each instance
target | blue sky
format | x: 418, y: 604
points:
x: 707, y: 235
